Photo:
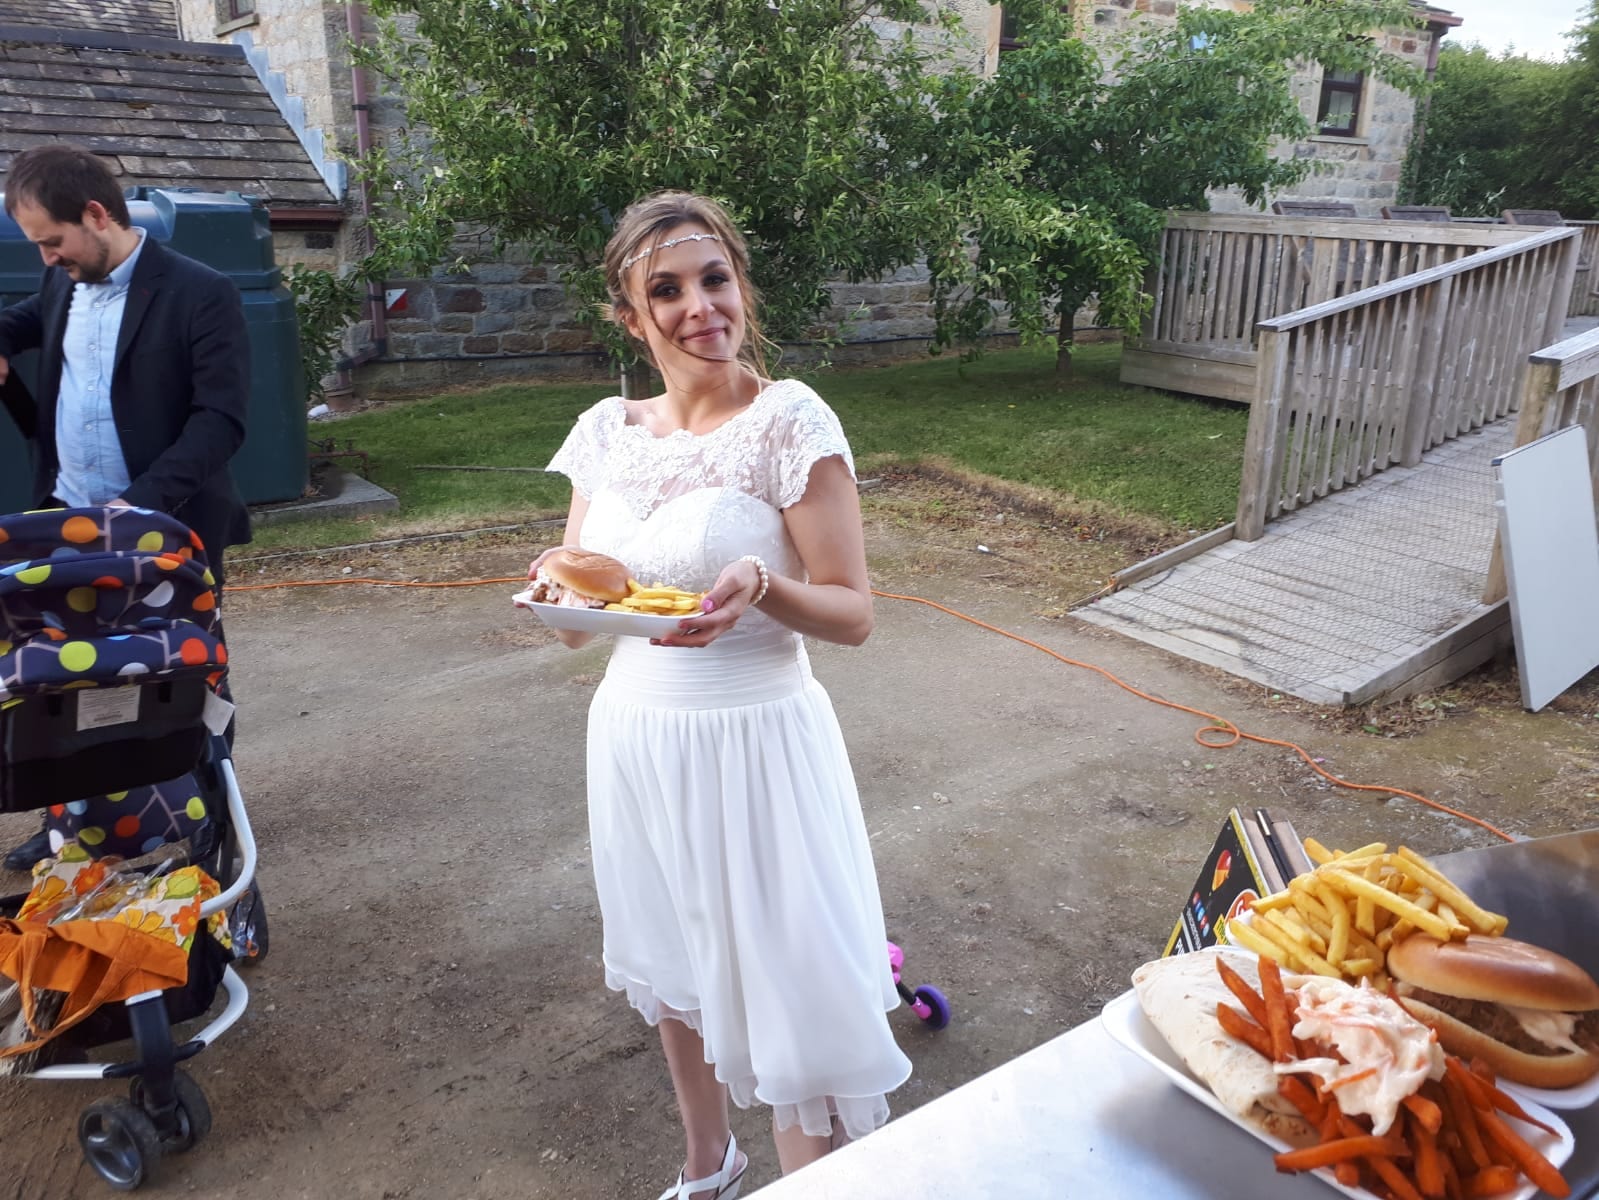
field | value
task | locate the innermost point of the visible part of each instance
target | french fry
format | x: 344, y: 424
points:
x: 1297, y: 930
x: 1244, y: 935
x: 1338, y: 944
x: 1479, y: 918
x: 1405, y: 909
x: 1316, y: 852
x: 1365, y: 910
x: 1463, y: 1120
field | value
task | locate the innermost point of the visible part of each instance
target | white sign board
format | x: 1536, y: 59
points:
x: 1546, y: 524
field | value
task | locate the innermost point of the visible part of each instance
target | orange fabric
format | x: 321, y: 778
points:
x: 93, y: 962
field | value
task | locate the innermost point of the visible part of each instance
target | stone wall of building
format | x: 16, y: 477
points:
x: 1363, y: 169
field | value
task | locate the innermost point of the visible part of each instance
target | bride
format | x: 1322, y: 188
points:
x: 739, y: 900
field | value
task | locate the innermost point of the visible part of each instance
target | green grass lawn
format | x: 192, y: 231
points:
x: 1133, y: 450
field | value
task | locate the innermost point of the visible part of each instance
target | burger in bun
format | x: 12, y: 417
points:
x: 1530, y: 1014
x: 580, y: 579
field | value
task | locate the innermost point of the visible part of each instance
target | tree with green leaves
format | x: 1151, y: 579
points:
x: 1508, y: 131
x: 1121, y: 130
x: 536, y: 124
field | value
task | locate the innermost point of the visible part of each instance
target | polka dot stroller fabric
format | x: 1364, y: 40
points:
x: 93, y: 600
x: 128, y: 824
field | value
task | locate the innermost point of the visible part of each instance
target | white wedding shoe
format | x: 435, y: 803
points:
x: 721, y: 1186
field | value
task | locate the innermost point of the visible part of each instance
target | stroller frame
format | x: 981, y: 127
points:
x: 166, y: 1111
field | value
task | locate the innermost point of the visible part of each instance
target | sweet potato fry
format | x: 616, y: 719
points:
x: 1425, y: 1111
x: 1491, y: 1181
x: 1463, y: 1120
x: 1533, y: 1165
x: 1235, y: 1025
x: 1429, y: 1165
x: 1340, y: 1150
x: 1397, y: 1182
x: 1247, y: 996
x: 1303, y: 1097
x: 1501, y: 1099
x: 1278, y: 1023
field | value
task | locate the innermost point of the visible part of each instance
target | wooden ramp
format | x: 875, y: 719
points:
x: 1374, y: 591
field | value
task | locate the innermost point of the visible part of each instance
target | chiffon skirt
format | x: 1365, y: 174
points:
x: 735, y: 878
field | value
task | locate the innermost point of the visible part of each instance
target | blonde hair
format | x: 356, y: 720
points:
x: 643, y: 226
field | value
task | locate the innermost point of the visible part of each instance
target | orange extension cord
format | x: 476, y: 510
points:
x: 1218, y: 725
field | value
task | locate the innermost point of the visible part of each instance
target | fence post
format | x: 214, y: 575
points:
x: 1258, y: 487
x: 1565, y: 280
x: 1537, y: 398
x: 1424, y: 385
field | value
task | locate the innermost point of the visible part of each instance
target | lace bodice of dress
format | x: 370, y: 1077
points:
x: 677, y: 509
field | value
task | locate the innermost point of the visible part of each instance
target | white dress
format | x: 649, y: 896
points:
x: 734, y: 874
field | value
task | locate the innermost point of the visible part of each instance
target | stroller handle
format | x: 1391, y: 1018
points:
x: 246, y: 839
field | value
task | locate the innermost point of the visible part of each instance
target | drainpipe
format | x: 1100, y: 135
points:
x: 361, y: 105
x: 1437, y: 29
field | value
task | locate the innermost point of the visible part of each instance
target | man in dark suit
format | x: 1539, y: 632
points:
x: 144, y: 371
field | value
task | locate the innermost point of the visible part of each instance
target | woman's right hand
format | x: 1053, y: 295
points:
x: 533, y: 567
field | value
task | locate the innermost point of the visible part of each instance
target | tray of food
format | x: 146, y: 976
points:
x: 1337, y: 1079
x: 587, y: 592
x: 1393, y: 919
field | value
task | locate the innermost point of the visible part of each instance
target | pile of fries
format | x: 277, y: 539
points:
x: 1340, y: 919
x: 658, y: 599
x: 1450, y: 1143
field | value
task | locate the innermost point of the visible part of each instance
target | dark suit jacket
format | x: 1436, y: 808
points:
x: 179, y: 389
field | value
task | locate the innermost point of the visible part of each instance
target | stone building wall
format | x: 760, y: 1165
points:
x: 1363, y: 169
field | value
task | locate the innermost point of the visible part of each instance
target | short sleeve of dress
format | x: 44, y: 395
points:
x: 806, y: 432
x: 581, y: 457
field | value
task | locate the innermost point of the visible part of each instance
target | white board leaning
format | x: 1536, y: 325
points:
x: 1547, y: 524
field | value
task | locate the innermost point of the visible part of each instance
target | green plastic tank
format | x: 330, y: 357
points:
x: 230, y: 233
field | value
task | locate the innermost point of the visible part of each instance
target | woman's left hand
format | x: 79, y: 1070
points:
x: 721, y: 607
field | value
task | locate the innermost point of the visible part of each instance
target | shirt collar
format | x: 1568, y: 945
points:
x: 122, y: 276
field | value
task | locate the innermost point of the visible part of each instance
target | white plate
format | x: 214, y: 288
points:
x: 1124, y: 1020
x: 598, y: 620
x: 1580, y: 1096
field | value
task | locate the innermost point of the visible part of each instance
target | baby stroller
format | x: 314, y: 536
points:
x: 112, y: 719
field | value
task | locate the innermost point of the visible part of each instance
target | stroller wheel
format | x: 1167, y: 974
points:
x: 192, y: 1118
x: 120, y: 1142
x: 248, y: 925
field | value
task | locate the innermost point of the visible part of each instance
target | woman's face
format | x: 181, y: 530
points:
x: 687, y: 303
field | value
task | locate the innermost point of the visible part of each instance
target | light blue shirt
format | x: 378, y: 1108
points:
x: 92, y: 469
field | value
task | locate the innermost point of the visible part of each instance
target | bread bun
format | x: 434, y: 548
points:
x: 589, y: 574
x: 1499, y: 970
x: 1556, y: 1071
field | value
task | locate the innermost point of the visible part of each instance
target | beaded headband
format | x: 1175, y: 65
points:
x: 668, y: 243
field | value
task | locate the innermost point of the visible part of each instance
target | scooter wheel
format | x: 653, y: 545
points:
x: 938, y: 1016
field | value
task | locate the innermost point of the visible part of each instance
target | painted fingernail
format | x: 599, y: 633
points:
x: 707, y: 605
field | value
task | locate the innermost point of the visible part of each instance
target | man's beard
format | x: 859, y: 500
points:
x: 96, y: 269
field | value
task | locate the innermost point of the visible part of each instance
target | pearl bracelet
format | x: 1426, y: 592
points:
x: 766, y: 579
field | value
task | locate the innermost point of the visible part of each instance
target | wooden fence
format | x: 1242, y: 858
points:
x: 1344, y: 388
x: 1218, y: 276
x: 1585, y: 292
x: 1561, y: 390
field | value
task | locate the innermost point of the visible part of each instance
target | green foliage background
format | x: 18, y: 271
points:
x: 1507, y: 131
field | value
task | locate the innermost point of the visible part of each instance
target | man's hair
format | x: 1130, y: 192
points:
x: 62, y: 179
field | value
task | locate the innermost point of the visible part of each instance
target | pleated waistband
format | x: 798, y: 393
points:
x: 737, y: 669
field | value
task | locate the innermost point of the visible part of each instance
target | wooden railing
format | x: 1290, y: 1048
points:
x: 1561, y: 390
x: 1585, y: 294
x: 1350, y: 386
x: 1219, y: 275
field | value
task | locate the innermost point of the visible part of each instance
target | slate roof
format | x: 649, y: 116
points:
x: 153, y: 18
x: 164, y: 112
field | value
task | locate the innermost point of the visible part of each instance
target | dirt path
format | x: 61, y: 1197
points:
x: 432, y: 1020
